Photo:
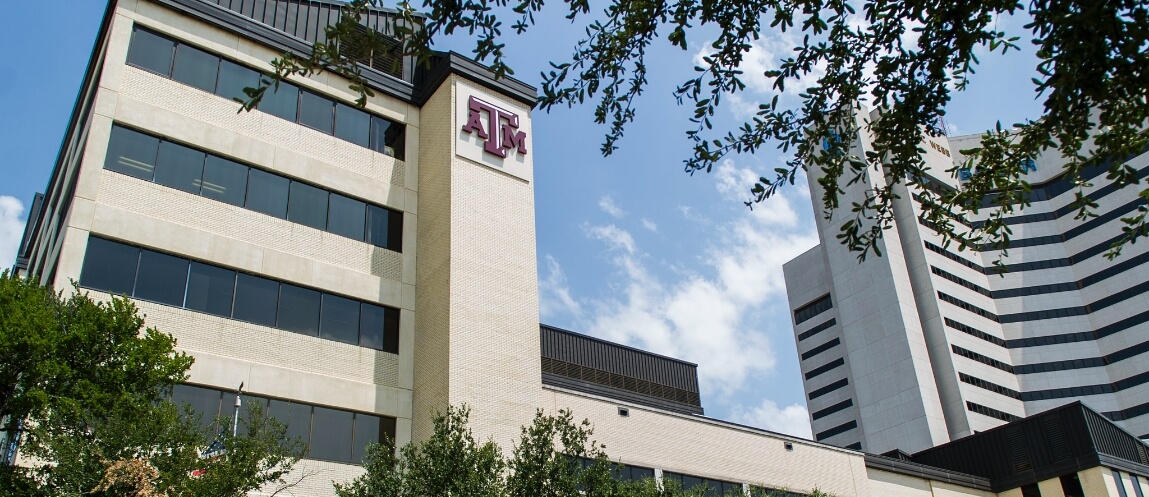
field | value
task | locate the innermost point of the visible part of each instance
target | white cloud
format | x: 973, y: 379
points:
x: 608, y: 206
x: 791, y: 420
x: 554, y: 294
x: 708, y: 315
x: 648, y: 224
x: 11, y: 229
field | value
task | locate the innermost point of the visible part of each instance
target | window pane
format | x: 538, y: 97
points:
x: 281, y: 102
x: 298, y: 310
x: 249, y: 402
x: 316, y: 112
x: 132, y: 153
x: 346, y: 216
x: 388, y: 137
x: 391, y: 330
x: 162, y: 278
x: 210, y: 289
x: 224, y: 180
x: 195, y: 67
x: 331, y: 435
x: 340, y: 319
x: 152, y: 52
x: 233, y: 78
x: 203, y: 401
x: 367, y: 429
x: 109, y: 266
x: 179, y: 167
x: 371, y: 325
x: 308, y: 205
x: 385, y: 228
x: 256, y: 299
x: 352, y: 124
x: 297, y: 417
x: 267, y: 193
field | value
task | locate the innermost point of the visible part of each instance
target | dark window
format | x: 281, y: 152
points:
x: 210, y: 289
x: 367, y: 430
x: 151, y: 51
x: 1120, y: 484
x: 385, y: 228
x: 281, y: 101
x: 829, y: 388
x: 224, y: 180
x: 267, y: 193
x: 161, y: 278
x: 818, y: 306
x: 316, y: 112
x: 1136, y: 486
x: 388, y: 137
x: 308, y: 206
x: 204, y: 402
x: 298, y: 310
x: 352, y: 124
x: 255, y: 299
x: 817, y: 329
x: 379, y: 328
x: 194, y: 67
x: 132, y: 153
x: 340, y: 319
x: 233, y: 78
x: 110, y: 266
x: 837, y: 430
x: 179, y: 167
x: 1071, y: 486
x: 1030, y: 491
x: 331, y: 435
x: 346, y: 216
x: 296, y: 416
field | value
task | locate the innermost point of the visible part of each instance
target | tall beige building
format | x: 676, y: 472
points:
x: 358, y: 269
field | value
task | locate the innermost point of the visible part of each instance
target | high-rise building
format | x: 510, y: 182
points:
x: 358, y: 269
x: 927, y: 344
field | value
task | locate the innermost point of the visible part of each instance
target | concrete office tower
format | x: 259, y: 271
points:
x: 925, y: 344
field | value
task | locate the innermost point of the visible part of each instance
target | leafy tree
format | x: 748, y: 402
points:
x: 84, y: 388
x: 450, y: 462
x: 1093, y: 75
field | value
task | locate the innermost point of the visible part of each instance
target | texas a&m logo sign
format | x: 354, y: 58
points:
x: 490, y: 133
x: 502, y: 129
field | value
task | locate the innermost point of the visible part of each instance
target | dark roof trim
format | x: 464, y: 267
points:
x: 31, y: 226
x: 427, y: 79
x: 618, y: 394
x: 928, y: 472
x: 616, y: 344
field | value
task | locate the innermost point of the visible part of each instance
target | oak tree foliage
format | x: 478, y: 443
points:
x: 1092, y: 78
x: 84, y: 399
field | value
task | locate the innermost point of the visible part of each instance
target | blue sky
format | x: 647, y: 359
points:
x: 630, y: 248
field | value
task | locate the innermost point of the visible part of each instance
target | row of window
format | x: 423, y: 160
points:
x: 829, y: 388
x: 1097, y: 305
x: 1074, y: 232
x: 711, y: 487
x: 1082, y: 336
x: 148, y: 275
x: 329, y: 434
x: 194, y: 67
x: 620, y: 472
x: 804, y: 313
x: 1130, y: 413
x: 1060, y: 393
x: 988, y: 361
x: 974, y: 332
x: 821, y: 413
x: 1097, y: 249
x: 837, y: 430
x: 960, y: 281
x: 821, y: 348
x: 1091, y: 362
x: 950, y: 299
x: 991, y: 412
x: 817, y: 329
x: 855, y: 446
x: 825, y: 368
x: 988, y: 385
x: 184, y: 168
x: 1137, y: 492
